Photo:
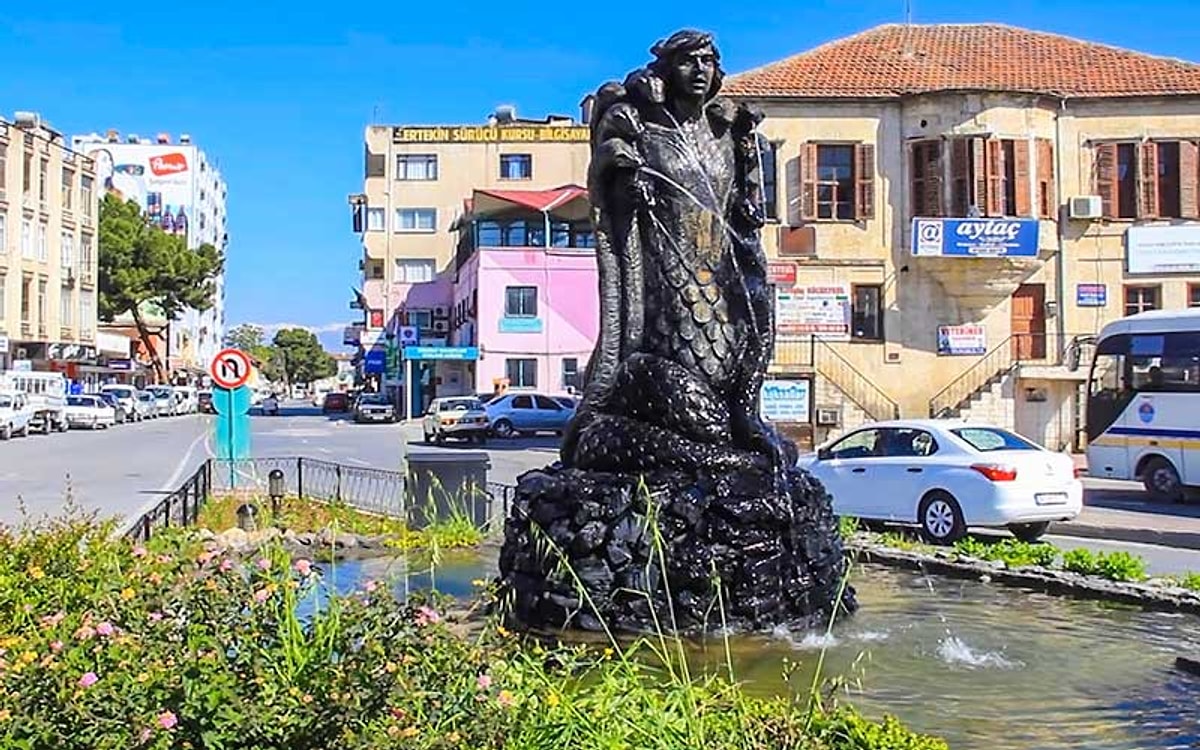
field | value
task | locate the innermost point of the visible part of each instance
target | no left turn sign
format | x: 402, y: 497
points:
x: 231, y: 368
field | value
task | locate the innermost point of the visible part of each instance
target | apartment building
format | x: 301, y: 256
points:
x: 416, y: 180
x: 956, y: 208
x: 181, y: 191
x: 49, y: 209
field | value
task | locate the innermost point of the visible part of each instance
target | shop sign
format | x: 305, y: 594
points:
x: 787, y: 400
x: 813, y: 310
x: 1091, y: 295
x: 520, y: 325
x: 460, y: 353
x: 374, y: 361
x: 961, y: 340
x: 1162, y: 249
x: 493, y: 134
x: 781, y: 273
x: 975, y: 238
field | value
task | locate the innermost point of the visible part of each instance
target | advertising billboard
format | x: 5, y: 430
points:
x: 975, y: 238
x: 160, y: 177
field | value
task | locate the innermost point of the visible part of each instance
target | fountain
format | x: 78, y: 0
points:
x: 675, y: 506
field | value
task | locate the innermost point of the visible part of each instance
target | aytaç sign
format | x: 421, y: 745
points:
x: 975, y: 238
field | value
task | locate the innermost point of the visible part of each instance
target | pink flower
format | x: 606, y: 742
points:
x: 85, y: 632
x: 226, y: 565
x: 205, y: 557
x: 264, y: 563
x: 262, y: 595
x: 425, y: 615
x: 505, y: 698
x: 167, y: 720
x: 303, y: 567
x: 155, y: 616
x: 50, y: 621
x: 145, y: 735
x: 483, y: 681
x: 88, y: 679
x: 164, y: 559
x: 370, y: 586
x: 139, y: 551
x: 56, y: 646
x: 105, y: 629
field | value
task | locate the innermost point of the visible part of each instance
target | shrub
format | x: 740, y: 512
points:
x: 1190, y: 581
x: 847, y: 526
x: 1115, y: 566
x: 1012, y: 552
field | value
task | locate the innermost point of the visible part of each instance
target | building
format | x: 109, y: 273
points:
x: 956, y: 208
x: 416, y: 180
x: 182, y: 192
x: 526, y: 291
x: 49, y: 210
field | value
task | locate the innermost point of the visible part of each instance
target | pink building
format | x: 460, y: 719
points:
x: 526, y: 292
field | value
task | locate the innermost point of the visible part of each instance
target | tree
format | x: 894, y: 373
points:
x: 302, y: 357
x: 142, y: 266
x: 249, y: 338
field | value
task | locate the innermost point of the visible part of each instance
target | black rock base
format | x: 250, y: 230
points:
x: 588, y: 549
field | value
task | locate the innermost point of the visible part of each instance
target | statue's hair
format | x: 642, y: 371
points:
x: 686, y: 40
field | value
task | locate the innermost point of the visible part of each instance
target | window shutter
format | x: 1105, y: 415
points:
x: 864, y: 181
x: 996, y: 173
x: 808, y: 181
x: 979, y: 162
x: 1047, y: 195
x: 1148, y: 180
x: 960, y: 171
x: 933, y: 179
x: 1106, y: 177
x: 1021, y: 174
x: 1189, y: 175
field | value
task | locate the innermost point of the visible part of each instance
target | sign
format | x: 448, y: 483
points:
x: 409, y: 336
x: 1152, y: 249
x: 120, y: 364
x: 231, y: 368
x: 520, y: 325
x: 375, y: 361
x: 351, y: 335
x: 813, y: 310
x: 787, y: 400
x: 975, y: 238
x: 493, y: 134
x: 441, y: 352
x: 232, y: 426
x: 160, y: 178
x: 22, y: 365
x: 375, y: 319
x: 960, y: 340
x: 1091, y: 295
x: 781, y: 273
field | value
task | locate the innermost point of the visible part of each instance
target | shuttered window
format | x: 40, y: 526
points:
x: 925, y: 159
x: 1148, y: 179
x: 990, y: 177
x: 1047, y: 197
x: 837, y: 182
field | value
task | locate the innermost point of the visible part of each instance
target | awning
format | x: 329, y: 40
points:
x: 567, y: 202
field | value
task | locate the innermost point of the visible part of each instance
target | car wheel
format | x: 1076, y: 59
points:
x: 428, y: 438
x: 503, y: 428
x: 941, y: 518
x: 439, y: 437
x: 1162, y: 481
x: 1029, y: 532
x: 6, y: 432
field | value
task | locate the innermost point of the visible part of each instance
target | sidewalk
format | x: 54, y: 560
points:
x: 1120, y: 511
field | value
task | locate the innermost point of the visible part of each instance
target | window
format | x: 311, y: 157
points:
x: 1193, y: 289
x: 521, y: 402
x: 68, y: 189
x: 1141, y: 298
x: 421, y: 319
x: 866, y: 312
x: 1147, y: 180
x: 417, y: 167
x: 414, y: 271
x: 87, y: 313
x: 547, y: 404
x: 927, y: 178
x: 3, y: 235
x: 570, y: 373
x: 27, y: 240
x: 415, y: 220
x: 768, y: 152
x: 374, y: 164
x: 85, y: 195
x: 374, y: 219
x: 43, y: 179
x: 861, y: 444
x: 85, y: 256
x: 521, y: 373
x: 67, y: 250
x: 984, y: 439
x: 1044, y: 166
x: 43, y: 243
x: 1163, y: 362
x: 520, y: 302
x: 516, y: 166
x: 66, y: 307
x: 27, y: 173
x: 905, y: 442
x: 26, y: 300
x: 3, y: 169
x: 41, y: 304
x: 989, y: 177
x: 3, y: 295
x: 838, y: 182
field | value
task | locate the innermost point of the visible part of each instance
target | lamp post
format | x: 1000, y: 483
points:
x: 247, y: 517
x: 275, y: 491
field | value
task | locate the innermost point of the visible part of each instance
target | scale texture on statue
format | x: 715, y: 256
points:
x: 675, y: 504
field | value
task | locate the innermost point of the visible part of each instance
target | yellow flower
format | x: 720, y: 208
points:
x: 608, y: 652
x: 552, y: 700
x: 142, y: 677
x: 5, y: 715
x: 307, y: 698
x: 479, y: 582
x: 410, y: 732
x: 502, y: 631
x: 127, y: 594
x: 390, y: 667
x: 36, y: 573
x: 29, y: 657
x: 454, y: 737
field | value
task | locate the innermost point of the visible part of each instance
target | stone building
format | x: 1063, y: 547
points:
x: 956, y: 208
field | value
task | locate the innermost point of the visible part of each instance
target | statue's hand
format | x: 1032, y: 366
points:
x: 747, y: 119
x: 616, y: 154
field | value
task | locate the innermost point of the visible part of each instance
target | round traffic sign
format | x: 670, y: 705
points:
x: 231, y: 368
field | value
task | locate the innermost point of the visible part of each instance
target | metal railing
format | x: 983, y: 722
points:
x: 180, y: 508
x: 1018, y: 349
x: 820, y: 355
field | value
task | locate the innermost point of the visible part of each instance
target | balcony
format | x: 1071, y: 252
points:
x: 980, y: 261
x: 87, y: 335
x: 66, y: 333
x: 26, y: 328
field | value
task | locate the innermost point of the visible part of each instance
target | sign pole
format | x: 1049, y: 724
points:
x: 230, y: 440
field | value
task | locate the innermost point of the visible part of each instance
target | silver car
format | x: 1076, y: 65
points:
x: 461, y: 417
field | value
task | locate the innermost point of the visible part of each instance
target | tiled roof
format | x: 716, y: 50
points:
x: 895, y: 60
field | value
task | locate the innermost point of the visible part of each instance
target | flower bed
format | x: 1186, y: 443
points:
x: 106, y: 645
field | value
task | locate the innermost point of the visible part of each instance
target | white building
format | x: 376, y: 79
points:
x: 181, y: 191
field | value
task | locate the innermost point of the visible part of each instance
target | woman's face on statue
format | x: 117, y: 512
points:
x: 692, y: 71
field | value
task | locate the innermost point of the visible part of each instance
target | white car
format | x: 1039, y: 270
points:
x: 947, y: 475
x: 15, y: 414
x: 90, y: 412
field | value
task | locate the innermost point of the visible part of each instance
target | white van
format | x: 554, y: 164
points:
x: 47, y: 394
x: 187, y: 401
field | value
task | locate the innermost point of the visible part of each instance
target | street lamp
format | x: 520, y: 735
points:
x: 275, y: 490
x: 247, y: 517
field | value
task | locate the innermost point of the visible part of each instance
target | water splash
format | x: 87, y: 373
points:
x: 872, y: 636
x: 955, y: 651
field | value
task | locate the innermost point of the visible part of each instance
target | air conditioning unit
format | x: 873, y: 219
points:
x: 441, y: 326
x: 1085, y: 207
x: 829, y: 417
x: 441, y: 311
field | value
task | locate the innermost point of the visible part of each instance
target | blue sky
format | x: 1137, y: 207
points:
x: 279, y: 93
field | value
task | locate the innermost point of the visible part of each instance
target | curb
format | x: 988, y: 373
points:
x: 1162, y: 538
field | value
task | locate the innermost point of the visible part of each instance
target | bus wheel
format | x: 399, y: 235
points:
x: 1162, y: 481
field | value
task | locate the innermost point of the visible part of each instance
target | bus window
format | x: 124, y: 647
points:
x: 1110, y: 386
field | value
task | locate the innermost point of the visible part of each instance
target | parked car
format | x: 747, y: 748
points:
x: 15, y: 414
x: 335, y: 402
x: 164, y: 400
x: 204, y: 402
x: 526, y: 414
x: 460, y: 417
x: 90, y: 412
x: 126, y: 397
x: 147, y: 405
x: 947, y: 475
x: 374, y: 407
x: 121, y: 416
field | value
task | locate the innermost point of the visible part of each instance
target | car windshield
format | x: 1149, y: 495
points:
x: 373, y: 398
x: 461, y: 404
x: 80, y: 401
x: 161, y: 393
x: 143, y: 396
x: 986, y: 439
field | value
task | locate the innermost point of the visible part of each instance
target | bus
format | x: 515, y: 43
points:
x: 1143, y: 406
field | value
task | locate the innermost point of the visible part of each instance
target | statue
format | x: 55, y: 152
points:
x: 673, y: 495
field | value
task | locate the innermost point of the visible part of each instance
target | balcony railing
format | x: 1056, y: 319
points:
x: 820, y: 355
x: 26, y: 328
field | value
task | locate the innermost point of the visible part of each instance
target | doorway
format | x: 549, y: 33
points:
x: 1029, y: 322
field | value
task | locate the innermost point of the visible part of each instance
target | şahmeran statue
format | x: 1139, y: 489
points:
x: 670, y: 481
